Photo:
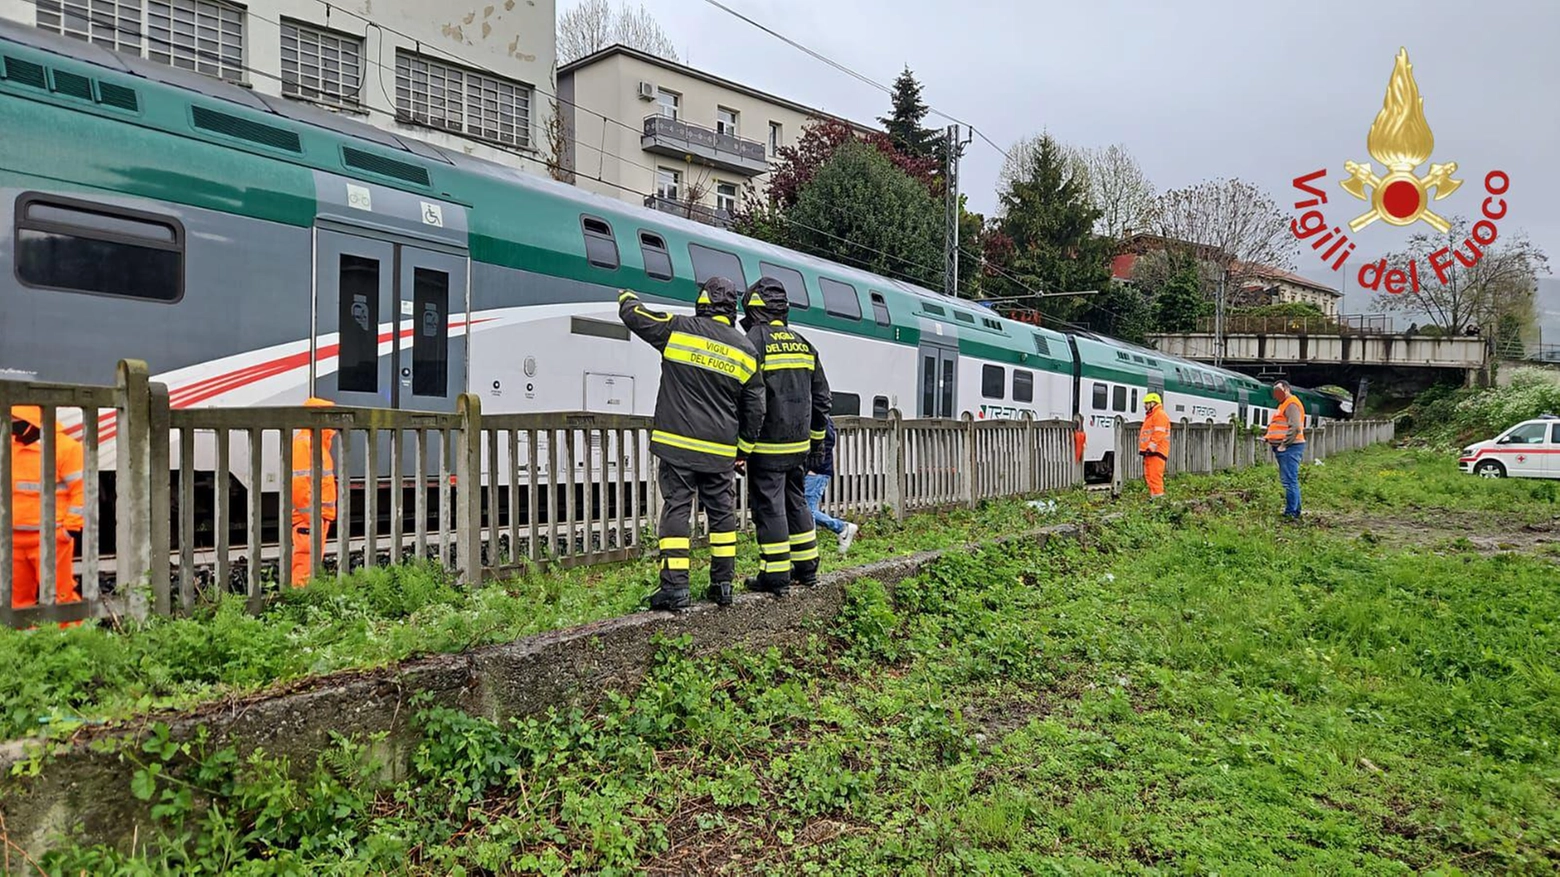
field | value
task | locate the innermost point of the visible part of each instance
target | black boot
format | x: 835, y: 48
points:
x: 756, y: 583
x: 720, y: 592
x: 669, y: 601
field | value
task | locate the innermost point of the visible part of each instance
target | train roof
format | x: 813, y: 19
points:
x: 441, y: 169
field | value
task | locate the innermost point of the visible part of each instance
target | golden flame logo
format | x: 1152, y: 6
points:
x: 1401, y: 139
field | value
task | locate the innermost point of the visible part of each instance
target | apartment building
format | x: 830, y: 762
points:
x: 655, y: 132
x: 468, y: 76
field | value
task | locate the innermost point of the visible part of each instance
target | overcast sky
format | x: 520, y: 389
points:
x: 1196, y: 89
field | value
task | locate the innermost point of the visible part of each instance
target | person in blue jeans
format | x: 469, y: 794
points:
x: 820, y: 470
x: 1286, y: 435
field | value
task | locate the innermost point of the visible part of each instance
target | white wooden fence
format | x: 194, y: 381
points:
x: 199, y: 498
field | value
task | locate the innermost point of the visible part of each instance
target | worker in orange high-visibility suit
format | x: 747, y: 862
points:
x: 303, y: 501
x: 1154, y: 444
x: 1286, y: 436
x: 1080, y: 438
x: 28, y: 530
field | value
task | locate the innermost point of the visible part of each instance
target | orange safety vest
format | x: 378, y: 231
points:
x: 1080, y: 439
x: 1278, y: 427
x: 1154, y: 436
x: 70, y: 489
x: 302, y: 478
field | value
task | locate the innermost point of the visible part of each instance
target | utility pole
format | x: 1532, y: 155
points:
x: 951, y: 208
x: 1218, y: 320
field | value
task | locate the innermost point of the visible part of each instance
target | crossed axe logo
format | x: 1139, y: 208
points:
x: 1400, y: 198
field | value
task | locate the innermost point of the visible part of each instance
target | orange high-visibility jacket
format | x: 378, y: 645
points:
x: 302, y: 473
x: 1080, y: 442
x: 70, y: 489
x: 1155, y: 435
x: 1288, y: 423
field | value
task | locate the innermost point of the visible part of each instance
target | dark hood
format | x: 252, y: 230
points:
x: 765, y: 302
x: 717, y: 298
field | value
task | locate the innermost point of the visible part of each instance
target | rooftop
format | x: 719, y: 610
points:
x: 694, y: 73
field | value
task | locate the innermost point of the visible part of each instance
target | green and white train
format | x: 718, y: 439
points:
x: 256, y: 251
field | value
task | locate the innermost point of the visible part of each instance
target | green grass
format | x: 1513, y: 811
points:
x: 1198, y: 690
x: 51, y: 681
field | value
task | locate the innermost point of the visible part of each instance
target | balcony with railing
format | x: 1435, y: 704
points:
x: 678, y: 139
x: 690, y: 210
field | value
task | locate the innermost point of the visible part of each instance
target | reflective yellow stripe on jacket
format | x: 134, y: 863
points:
x: 782, y: 447
x: 672, y: 439
x: 709, y: 354
x: 778, y: 361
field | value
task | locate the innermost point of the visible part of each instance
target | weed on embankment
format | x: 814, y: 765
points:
x: 1197, y: 690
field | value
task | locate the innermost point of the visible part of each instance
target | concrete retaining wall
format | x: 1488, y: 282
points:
x: 83, y: 788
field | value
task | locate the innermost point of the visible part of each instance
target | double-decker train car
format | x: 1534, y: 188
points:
x: 256, y: 250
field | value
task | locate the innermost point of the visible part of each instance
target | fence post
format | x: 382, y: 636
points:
x: 894, y: 488
x: 132, y: 502
x: 970, y: 492
x: 468, y: 479
x: 1118, y: 467
x: 1030, y: 480
x: 160, y: 507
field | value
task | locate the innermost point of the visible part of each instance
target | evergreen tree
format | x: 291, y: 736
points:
x: 904, y: 123
x: 1181, y: 301
x: 1122, y: 311
x: 1044, y: 238
x: 861, y: 210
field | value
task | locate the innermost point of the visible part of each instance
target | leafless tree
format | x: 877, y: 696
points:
x: 1239, y: 220
x: 1495, y: 295
x: 560, y: 141
x: 1119, y: 189
x: 595, y: 24
x: 1117, y: 186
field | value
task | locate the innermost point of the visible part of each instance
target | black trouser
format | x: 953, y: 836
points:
x: 787, y: 540
x: 717, y: 493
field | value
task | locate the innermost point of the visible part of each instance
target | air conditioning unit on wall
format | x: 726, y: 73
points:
x: 646, y: 90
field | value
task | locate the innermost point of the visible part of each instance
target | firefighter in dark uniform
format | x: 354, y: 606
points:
x: 711, y: 400
x: 795, y: 419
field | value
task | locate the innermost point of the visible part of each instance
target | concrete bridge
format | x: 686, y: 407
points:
x: 1469, y: 354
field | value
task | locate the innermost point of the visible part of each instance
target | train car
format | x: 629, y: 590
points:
x: 256, y: 250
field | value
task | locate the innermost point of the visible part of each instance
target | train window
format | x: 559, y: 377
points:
x: 708, y: 262
x: 1118, y: 398
x: 840, y: 299
x: 962, y: 317
x: 79, y: 247
x: 934, y: 310
x: 880, y: 407
x: 430, y: 339
x: 658, y: 260
x: 1133, y: 409
x: 846, y: 405
x: 991, y: 324
x: 1101, y: 397
x: 357, y: 358
x: 791, y: 279
x: 601, y: 247
x: 992, y: 381
x: 1023, y: 385
x: 880, y: 309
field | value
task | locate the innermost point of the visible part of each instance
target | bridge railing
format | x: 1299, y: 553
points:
x: 200, y: 502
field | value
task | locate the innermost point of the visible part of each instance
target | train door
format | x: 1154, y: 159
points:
x: 939, y: 373
x: 382, y: 319
x: 431, y: 360
x: 1243, y: 398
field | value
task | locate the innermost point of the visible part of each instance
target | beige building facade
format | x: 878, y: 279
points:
x: 1272, y: 286
x: 664, y: 135
x: 469, y: 76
